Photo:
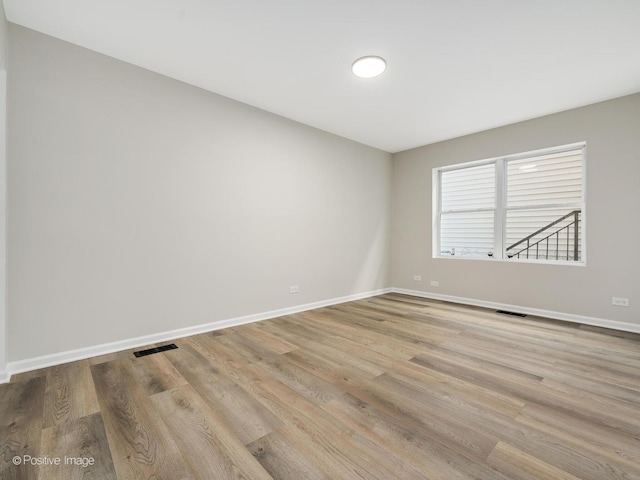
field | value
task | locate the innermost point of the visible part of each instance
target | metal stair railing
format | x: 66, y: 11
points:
x: 529, y: 246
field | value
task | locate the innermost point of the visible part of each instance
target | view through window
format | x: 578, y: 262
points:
x: 524, y: 207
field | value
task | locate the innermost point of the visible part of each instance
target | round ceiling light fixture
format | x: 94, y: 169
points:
x: 369, y: 66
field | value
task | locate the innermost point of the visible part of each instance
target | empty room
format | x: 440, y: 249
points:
x: 319, y: 240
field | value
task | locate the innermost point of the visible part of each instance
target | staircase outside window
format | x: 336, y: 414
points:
x: 559, y: 240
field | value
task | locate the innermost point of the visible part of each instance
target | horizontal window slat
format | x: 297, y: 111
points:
x: 469, y: 188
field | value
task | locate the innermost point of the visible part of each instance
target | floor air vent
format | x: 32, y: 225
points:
x: 506, y: 312
x: 149, y: 351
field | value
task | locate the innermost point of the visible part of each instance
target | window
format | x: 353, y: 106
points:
x: 520, y: 207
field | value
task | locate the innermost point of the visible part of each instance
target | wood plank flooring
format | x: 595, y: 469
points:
x: 391, y: 387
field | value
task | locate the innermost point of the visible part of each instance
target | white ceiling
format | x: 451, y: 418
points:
x: 454, y: 66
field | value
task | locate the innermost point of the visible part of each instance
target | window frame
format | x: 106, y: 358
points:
x: 500, y: 208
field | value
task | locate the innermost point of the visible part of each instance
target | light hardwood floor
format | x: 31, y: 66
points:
x: 391, y: 387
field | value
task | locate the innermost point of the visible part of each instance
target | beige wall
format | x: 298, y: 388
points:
x: 138, y: 204
x: 611, y: 130
x: 4, y: 42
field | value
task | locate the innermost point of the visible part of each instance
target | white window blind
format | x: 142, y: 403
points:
x: 468, y: 203
x: 524, y: 206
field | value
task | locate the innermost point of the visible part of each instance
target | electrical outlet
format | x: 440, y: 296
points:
x: 435, y: 283
x: 620, y: 302
x: 294, y: 289
x: 417, y: 278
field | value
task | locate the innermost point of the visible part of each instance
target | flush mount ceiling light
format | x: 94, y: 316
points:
x: 369, y: 66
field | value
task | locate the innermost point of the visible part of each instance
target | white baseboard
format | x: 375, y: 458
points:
x: 569, y: 317
x: 105, y: 348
